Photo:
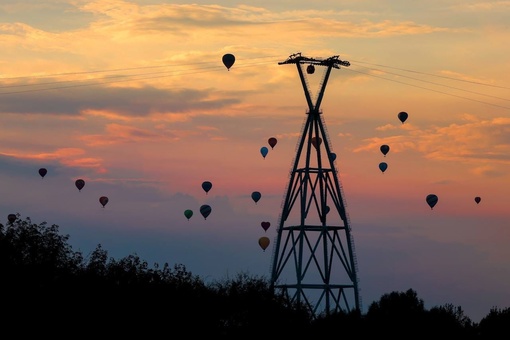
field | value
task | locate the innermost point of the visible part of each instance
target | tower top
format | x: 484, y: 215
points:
x: 333, y: 61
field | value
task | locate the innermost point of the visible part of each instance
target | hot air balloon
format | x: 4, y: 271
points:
x: 205, y: 210
x: 383, y: 166
x: 206, y: 185
x: 264, y: 242
x: 11, y: 218
x: 402, y: 116
x: 228, y: 60
x: 272, y: 142
x: 264, y: 151
x: 384, y: 149
x: 310, y: 69
x: 332, y: 156
x: 188, y: 213
x: 477, y: 199
x: 43, y: 172
x: 256, y: 196
x: 316, y: 142
x: 265, y: 225
x: 103, y: 200
x: 80, y: 183
x: 431, y: 200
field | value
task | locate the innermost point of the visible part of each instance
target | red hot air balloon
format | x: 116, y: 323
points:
x: 206, y: 185
x: 477, y: 199
x: 205, y: 210
x: 43, y: 172
x: 384, y: 149
x: 316, y: 141
x: 272, y: 142
x: 431, y: 200
x: 402, y: 116
x: 265, y: 225
x: 80, y: 183
x: 228, y: 60
x: 103, y: 200
x: 264, y: 242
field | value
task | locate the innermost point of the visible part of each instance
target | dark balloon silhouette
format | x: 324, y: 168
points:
x: 79, y: 183
x: 264, y: 242
x: 188, y: 213
x: 205, y: 210
x: 43, y: 172
x: 272, y: 142
x: 228, y: 60
x: 316, y: 142
x: 310, y: 69
x: 11, y: 218
x: 103, y: 200
x: 206, y: 185
x: 332, y: 156
x: 477, y: 199
x: 264, y: 151
x: 432, y: 200
x: 265, y: 225
x: 384, y: 149
x: 402, y: 116
x: 383, y: 166
x: 256, y: 196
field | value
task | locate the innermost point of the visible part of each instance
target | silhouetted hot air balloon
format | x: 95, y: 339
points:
x: 264, y: 151
x: 264, y: 242
x: 431, y: 200
x: 206, y: 185
x: 103, y: 200
x: 11, y: 218
x: 80, y: 183
x: 383, y: 166
x: 402, y: 116
x: 43, y: 172
x: 332, y: 156
x: 316, y: 142
x: 477, y: 199
x: 384, y: 149
x: 265, y: 225
x: 272, y: 142
x: 310, y: 69
x: 205, y: 210
x: 228, y: 60
x: 256, y: 196
x: 188, y: 213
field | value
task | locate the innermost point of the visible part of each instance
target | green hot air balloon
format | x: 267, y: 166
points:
x: 188, y: 213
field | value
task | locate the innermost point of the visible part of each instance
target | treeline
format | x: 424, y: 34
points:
x: 47, y: 288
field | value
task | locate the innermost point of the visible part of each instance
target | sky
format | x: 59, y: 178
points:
x: 133, y: 98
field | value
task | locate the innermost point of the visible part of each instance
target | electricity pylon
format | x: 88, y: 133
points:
x: 314, y: 261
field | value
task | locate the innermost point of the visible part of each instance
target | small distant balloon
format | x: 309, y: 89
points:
x: 264, y: 242
x: 402, y: 116
x: 477, y: 199
x: 265, y: 225
x: 188, y: 213
x: 11, y: 218
x: 205, y: 210
x: 43, y: 172
x: 256, y: 196
x: 383, y: 166
x: 80, y: 183
x: 384, y: 149
x: 272, y: 142
x: 103, y: 200
x: 264, y: 151
x: 332, y: 156
x: 228, y: 60
x: 206, y: 185
x: 316, y: 142
x: 431, y: 200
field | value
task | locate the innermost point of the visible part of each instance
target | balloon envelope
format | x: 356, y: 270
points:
x: 384, y: 149
x: 264, y: 242
x: 188, y: 213
x: 264, y: 151
x: 265, y: 225
x: 80, y: 183
x: 272, y: 142
x: 431, y: 200
x: 332, y: 156
x: 43, y: 172
x: 11, y: 218
x: 103, y: 200
x: 383, y: 166
x: 205, y: 210
x: 402, y: 116
x: 477, y: 199
x: 316, y: 141
x: 206, y: 185
x: 228, y: 60
x: 256, y: 196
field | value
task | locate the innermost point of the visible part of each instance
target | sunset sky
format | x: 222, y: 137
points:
x: 132, y: 96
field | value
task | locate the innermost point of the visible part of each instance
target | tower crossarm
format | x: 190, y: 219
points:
x: 333, y: 61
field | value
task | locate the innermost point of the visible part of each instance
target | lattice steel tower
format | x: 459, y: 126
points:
x: 314, y: 261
